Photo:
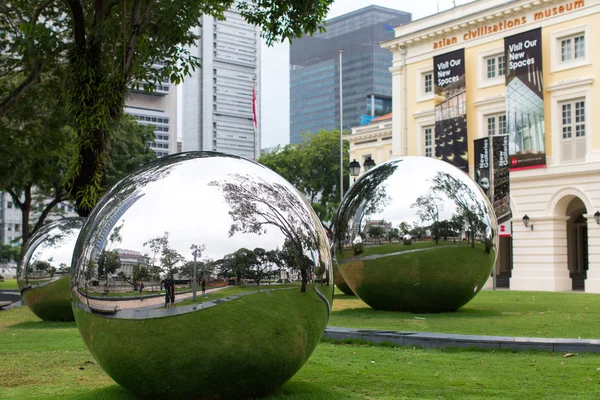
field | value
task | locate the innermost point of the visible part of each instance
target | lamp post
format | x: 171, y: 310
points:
x: 369, y: 164
x: 196, y: 251
x: 354, y: 169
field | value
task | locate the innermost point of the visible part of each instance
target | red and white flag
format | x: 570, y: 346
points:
x: 254, y: 106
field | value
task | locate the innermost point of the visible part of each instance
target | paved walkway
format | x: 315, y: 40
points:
x: 147, y: 303
x: 444, y: 340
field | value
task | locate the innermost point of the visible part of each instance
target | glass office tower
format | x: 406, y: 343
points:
x: 366, y: 79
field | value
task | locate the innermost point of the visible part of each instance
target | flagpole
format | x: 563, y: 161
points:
x: 255, y: 121
x: 341, y: 137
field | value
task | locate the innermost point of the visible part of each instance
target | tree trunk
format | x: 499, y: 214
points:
x: 304, y: 279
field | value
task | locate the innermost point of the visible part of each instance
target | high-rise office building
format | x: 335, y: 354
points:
x: 366, y: 79
x: 158, y: 108
x: 217, y: 112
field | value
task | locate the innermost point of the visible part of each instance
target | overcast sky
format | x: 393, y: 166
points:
x: 275, y: 95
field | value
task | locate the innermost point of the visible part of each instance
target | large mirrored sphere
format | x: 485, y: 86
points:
x: 43, y: 275
x: 254, y: 244
x: 451, y: 228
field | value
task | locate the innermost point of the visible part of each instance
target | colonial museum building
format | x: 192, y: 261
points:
x: 508, y: 92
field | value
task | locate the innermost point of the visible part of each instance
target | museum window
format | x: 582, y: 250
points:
x: 572, y: 48
x: 494, y: 66
x: 428, y: 83
x: 496, y: 124
x: 573, y: 130
x: 428, y: 141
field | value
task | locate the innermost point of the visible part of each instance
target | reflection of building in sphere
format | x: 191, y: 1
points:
x: 260, y: 258
x: 436, y: 205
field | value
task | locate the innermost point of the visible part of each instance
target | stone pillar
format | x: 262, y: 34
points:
x: 592, y: 281
x: 398, y: 59
x: 540, y: 255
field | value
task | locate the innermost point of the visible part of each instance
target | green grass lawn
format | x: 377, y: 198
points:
x: 386, y: 248
x: 9, y: 284
x: 501, y: 312
x: 42, y: 360
x: 230, y: 291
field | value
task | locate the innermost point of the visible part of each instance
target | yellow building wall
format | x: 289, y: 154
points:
x: 474, y: 93
x: 593, y: 22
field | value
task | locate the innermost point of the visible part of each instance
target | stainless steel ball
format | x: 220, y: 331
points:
x: 245, y: 231
x: 416, y: 234
x: 43, y: 275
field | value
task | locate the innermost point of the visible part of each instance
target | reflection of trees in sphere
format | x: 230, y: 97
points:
x: 43, y: 276
x: 436, y: 206
x: 240, y: 229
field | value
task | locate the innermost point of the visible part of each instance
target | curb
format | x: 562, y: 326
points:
x: 431, y: 340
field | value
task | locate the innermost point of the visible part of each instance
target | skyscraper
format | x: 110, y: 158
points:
x: 217, y: 112
x: 159, y: 109
x: 366, y: 79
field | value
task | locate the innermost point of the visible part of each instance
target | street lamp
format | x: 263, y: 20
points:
x: 354, y: 169
x: 369, y: 164
x: 526, y: 220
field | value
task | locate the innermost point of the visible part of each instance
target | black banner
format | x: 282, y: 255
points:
x: 501, y: 178
x: 451, y: 109
x: 525, y: 100
x: 482, y: 165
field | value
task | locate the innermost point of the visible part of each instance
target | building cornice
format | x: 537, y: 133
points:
x: 558, y: 171
x: 467, y: 17
x: 374, y: 134
x: 499, y: 98
x: 570, y: 84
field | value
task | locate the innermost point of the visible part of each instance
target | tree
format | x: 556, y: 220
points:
x: 35, y: 147
x: 108, y: 46
x: 392, y: 234
x: 469, y: 208
x: 375, y: 231
x: 108, y: 264
x: 169, y: 257
x: 428, y: 209
x: 404, y: 228
x: 9, y: 253
x: 139, y: 272
x: 256, y: 204
x: 313, y: 167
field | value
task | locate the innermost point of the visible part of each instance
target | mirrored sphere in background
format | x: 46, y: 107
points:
x: 43, y: 275
x: 443, y: 232
x: 265, y: 261
x: 340, y: 283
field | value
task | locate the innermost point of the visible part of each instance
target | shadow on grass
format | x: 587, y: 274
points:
x: 298, y: 390
x: 114, y: 392
x: 43, y: 325
x: 289, y: 391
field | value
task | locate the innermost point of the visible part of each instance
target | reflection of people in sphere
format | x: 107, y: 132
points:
x: 140, y: 288
x: 485, y: 183
x: 203, y: 285
x: 168, y: 285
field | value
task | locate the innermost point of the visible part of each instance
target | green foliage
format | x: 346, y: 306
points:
x: 375, y: 231
x: 313, y: 167
x: 109, y: 47
x: 9, y: 253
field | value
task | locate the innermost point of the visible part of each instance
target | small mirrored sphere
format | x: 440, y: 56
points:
x: 43, y: 275
x: 416, y: 234
x: 202, y: 275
